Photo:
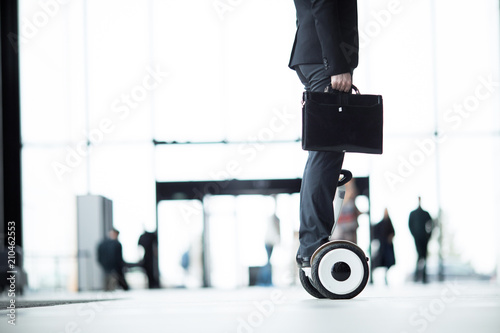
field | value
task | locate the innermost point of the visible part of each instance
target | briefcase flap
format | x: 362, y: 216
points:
x: 343, y: 99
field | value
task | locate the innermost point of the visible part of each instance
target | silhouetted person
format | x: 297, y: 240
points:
x: 420, y: 224
x: 110, y: 257
x: 273, y: 234
x: 272, y: 238
x: 384, y: 233
x: 149, y: 241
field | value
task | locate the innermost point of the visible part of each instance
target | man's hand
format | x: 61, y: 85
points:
x: 342, y: 82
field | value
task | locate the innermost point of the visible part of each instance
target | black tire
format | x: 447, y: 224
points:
x: 326, y: 276
x: 308, y: 286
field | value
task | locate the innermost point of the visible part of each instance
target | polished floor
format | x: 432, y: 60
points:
x: 438, y: 307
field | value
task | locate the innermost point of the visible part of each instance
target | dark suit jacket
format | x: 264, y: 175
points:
x: 420, y: 224
x: 110, y: 255
x: 327, y: 33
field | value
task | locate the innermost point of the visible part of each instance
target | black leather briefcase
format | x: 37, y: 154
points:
x: 343, y: 122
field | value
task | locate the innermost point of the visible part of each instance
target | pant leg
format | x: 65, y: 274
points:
x: 269, y: 250
x: 421, y: 270
x: 109, y: 282
x: 320, y: 178
x: 424, y: 259
x: 120, y: 277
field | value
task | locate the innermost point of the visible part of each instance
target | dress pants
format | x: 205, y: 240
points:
x: 319, y: 182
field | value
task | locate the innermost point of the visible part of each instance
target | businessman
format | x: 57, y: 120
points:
x: 421, y: 225
x: 325, y: 52
x: 110, y: 257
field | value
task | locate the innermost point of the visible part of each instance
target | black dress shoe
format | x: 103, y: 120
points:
x: 303, y: 262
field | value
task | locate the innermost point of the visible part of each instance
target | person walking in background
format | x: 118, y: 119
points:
x: 421, y: 225
x: 347, y: 225
x: 271, y: 239
x: 325, y: 52
x: 110, y: 257
x: 149, y: 241
x: 383, y: 235
x: 273, y: 232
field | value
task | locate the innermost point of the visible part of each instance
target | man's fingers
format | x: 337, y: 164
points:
x: 341, y: 82
x: 338, y: 85
x: 342, y: 86
x: 347, y: 86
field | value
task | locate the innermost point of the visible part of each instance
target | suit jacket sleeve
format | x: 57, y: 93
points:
x: 336, y: 26
x: 411, y: 224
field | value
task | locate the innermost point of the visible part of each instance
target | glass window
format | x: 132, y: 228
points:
x: 120, y: 73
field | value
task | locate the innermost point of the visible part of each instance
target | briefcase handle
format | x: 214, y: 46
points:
x: 329, y: 88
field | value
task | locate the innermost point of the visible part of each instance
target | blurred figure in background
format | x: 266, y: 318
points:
x: 272, y: 238
x: 383, y: 235
x: 149, y: 241
x: 347, y: 225
x: 110, y: 257
x: 421, y: 225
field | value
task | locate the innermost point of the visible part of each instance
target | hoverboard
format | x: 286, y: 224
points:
x: 339, y: 269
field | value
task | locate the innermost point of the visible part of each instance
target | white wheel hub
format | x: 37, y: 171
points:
x: 338, y: 256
